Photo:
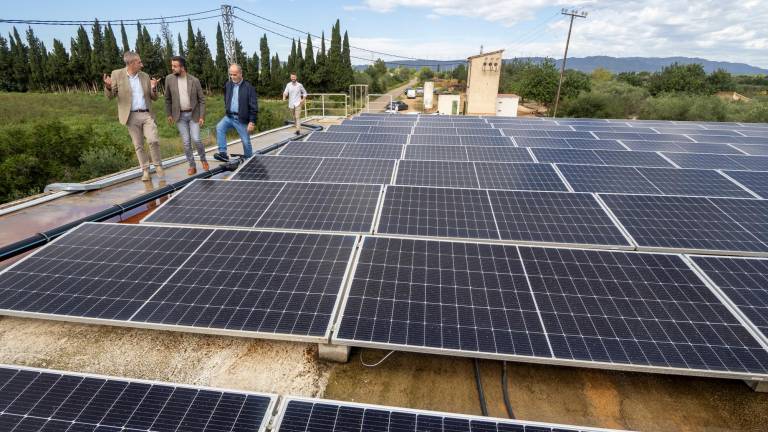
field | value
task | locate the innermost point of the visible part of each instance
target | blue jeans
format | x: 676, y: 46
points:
x: 228, y: 123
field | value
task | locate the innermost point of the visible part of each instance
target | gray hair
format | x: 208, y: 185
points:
x: 239, y: 68
x: 129, y: 56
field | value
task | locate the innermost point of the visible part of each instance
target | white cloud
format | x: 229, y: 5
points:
x: 712, y: 29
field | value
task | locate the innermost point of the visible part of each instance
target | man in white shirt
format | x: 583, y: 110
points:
x: 135, y: 92
x: 296, y: 94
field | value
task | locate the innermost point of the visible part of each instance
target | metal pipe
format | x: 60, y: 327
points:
x: 39, y: 239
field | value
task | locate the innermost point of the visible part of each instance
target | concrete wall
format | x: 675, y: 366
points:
x: 483, y: 83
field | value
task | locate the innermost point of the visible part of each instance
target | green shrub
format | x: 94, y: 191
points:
x: 100, y: 161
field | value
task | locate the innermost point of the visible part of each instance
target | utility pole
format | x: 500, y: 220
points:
x: 573, y: 14
x: 228, y: 30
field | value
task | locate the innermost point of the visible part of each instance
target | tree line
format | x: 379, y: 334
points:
x: 26, y: 64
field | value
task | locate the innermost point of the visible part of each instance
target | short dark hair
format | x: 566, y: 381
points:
x: 293, y: 73
x: 182, y: 61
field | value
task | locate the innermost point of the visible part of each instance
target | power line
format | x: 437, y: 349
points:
x: 327, y: 40
x: 573, y: 14
x: 78, y: 22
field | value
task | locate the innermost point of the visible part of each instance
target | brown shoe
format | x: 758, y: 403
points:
x: 191, y: 171
x: 145, y: 175
x: 205, y: 166
x: 160, y: 172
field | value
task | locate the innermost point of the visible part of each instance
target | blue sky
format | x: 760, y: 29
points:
x: 453, y: 29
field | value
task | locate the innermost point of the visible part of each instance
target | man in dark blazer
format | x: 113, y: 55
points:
x: 242, y: 106
x: 185, y: 106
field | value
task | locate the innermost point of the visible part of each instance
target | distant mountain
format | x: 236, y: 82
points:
x: 613, y: 64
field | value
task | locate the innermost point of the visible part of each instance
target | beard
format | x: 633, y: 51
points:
x: 177, y: 73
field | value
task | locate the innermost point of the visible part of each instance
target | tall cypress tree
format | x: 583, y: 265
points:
x: 276, y: 72
x: 334, y: 66
x: 346, y: 59
x: 265, y: 76
x: 112, y: 58
x: 209, y: 72
x: 291, y: 64
x: 80, y: 57
x: 58, y: 65
x: 299, y: 60
x: 124, y: 37
x: 221, y: 56
x: 6, y: 66
x: 310, y: 71
x: 139, y: 45
x: 97, y: 53
x: 242, y: 60
x: 37, y: 56
x: 321, y: 66
x: 194, y: 62
x: 181, y: 51
x: 253, y: 69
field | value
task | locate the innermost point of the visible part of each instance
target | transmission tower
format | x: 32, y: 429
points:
x: 573, y: 14
x: 228, y: 21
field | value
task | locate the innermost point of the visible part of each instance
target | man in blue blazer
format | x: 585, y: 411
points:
x: 242, y: 106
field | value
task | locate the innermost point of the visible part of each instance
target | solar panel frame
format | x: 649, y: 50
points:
x: 423, y: 420
x: 191, y: 329
x: 113, y: 412
x: 551, y: 360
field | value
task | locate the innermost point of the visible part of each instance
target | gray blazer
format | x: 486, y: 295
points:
x: 196, y: 97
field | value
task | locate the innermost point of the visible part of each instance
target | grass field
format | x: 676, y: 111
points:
x: 77, y: 109
x: 72, y: 137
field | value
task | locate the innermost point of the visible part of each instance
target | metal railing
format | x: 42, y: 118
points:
x: 378, y: 102
x: 326, y: 105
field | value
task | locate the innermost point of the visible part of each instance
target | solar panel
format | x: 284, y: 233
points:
x: 642, y: 137
x: 479, y: 140
x: 434, y: 130
x: 556, y: 155
x: 527, y: 133
x: 681, y: 223
x: 382, y: 138
x: 275, y: 285
x: 48, y: 400
x: 753, y: 149
x: 521, y: 176
x: 752, y: 163
x: 498, y: 154
x: 681, y: 147
x: 744, y: 281
x: 101, y: 270
x: 369, y: 171
x: 343, y: 137
x: 459, y: 298
x: 436, y: 173
x: 703, y: 161
x: 542, y: 142
x: 554, y: 217
x: 435, y: 139
x: 730, y: 139
x: 437, y: 212
x: 323, y: 207
x: 606, y: 179
x: 312, y: 148
x: 478, y: 131
x: 594, y: 144
x: 751, y: 214
x: 433, y: 152
x: 675, y: 181
x: 218, y: 203
x: 391, y: 129
x: 289, y: 168
x: 353, y: 128
x: 570, y: 134
x: 603, y: 127
x: 636, y: 309
x: 697, y: 131
x: 632, y: 158
x: 383, y: 151
x: 301, y: 415
x: 757, y: 182
x: 272, y: 284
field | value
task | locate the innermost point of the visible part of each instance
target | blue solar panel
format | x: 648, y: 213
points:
x: 47, y: 400
x: 632, y: 158
x: 753, y: 149
x: 476, y: 140
x: 382, y: 151
x: 520, y: 176
x: 433, y: 152
x: 571, y: 156
x: 498, y: 154
x: 341, y: 170
x: 436, y: 173
x: 703, y: 161
x: 607, y: 179
x: 751, y: 214
x: 676, y: 181
x: 681, y: 147
x: 436, y: 139
x: 757, y: 182
x: 288, y: 168
x: 642, y: 137
x: 381, y: 138
x: 686, y: 223
x: 343, y: 137
x: 595, y: 144
x: 542, y: 142
x: 312, y: 148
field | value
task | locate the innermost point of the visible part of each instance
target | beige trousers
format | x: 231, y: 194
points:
x: 141, y: 125
x: 296, y: 113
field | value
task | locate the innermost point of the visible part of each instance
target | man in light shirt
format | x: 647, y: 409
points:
x: 296, y: 95
x: 135, y: 92
x: 241, y: 105
x: 185, y: 106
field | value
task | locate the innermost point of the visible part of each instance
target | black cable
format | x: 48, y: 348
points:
x: 480, y: 392
x: 84, y: 23
x: 42, y: 21
x: 505, y: 390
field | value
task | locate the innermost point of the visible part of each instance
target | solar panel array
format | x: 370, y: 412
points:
x: 554, y: 241
x: 48, y: 400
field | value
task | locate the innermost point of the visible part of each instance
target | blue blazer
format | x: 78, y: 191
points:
x: 248, y: 101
